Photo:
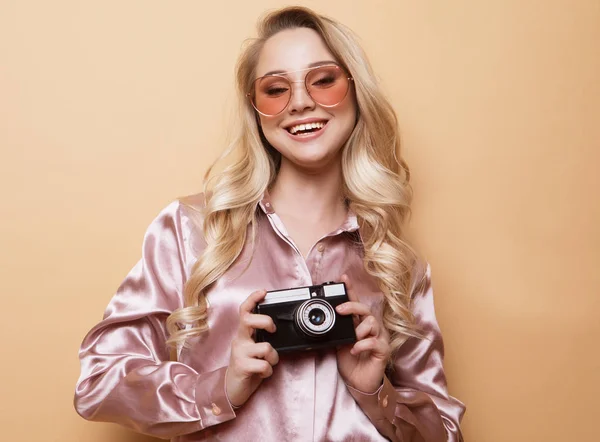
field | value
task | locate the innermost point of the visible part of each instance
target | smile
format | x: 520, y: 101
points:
x: 308, y: 134
x: 306, y: 128
x: 306, y: 131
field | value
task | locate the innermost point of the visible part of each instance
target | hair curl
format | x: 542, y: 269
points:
x: 375, y: 185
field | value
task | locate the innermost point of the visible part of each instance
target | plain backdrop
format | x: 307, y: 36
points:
x: 110, y: 110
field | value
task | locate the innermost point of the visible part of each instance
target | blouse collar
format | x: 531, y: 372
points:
x: 350, y: 224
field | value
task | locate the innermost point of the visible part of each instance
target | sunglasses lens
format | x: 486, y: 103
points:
x: 327, y: 85
x: 271, y: 94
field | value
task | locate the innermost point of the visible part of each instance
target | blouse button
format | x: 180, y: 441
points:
x: 321, y: 247
x: 384, y: 402
x: 215, y: 409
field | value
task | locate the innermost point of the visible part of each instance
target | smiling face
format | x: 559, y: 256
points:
x: 308, y: 135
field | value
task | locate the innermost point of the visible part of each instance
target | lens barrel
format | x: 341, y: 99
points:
x: 315, y: 317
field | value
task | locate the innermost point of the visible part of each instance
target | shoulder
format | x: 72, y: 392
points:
x: 422, y: 301
x: 191, y: 204
x: 182, y: 220
x: 420, y: 278
x: 180, y: 210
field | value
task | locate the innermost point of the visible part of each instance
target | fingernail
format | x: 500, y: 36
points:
x: 340, y: 308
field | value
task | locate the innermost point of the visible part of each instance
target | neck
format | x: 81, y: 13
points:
x: 298, y: 192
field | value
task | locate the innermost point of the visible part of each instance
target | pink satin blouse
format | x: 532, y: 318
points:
x: 127, y: 376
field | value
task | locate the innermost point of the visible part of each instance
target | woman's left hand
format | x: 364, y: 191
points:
x: 362, y: 365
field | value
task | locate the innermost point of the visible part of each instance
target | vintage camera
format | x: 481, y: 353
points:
x: 305, y: 318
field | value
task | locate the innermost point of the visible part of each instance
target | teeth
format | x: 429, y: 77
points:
x: 303, y: 127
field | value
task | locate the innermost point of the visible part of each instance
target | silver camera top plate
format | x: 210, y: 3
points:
x: 301, y: 294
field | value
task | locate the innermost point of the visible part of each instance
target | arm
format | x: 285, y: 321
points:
x: 413, y: 403
x: 126, y: 376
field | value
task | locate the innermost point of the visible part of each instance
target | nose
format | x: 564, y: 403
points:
x: 300, y: 100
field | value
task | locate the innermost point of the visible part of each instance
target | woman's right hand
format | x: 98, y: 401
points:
x: 250, y: 362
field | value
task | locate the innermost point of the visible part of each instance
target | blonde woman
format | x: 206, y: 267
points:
x: 316, y: 191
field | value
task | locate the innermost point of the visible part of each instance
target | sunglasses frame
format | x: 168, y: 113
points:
x: 284, y: 76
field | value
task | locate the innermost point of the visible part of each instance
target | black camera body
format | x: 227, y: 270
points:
x: 306, y: 318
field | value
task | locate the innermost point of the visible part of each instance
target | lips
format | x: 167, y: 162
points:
x: 310, y: 134
x: 307, y: 126
x: 303, y: 128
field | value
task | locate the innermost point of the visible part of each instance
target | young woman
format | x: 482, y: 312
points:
x: 316, y: 192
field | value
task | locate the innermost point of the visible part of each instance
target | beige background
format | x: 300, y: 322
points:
x: 109, y: 110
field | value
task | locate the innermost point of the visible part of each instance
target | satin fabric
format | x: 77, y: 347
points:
x: 127, y: 376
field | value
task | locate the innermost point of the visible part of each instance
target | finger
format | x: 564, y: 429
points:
x: 353, y: 308
x: 250, y: 302
x: 368, y: 327
x: 264, y: 350
x: 258, y: 367
x: 351, y: 296
x: 349, y: 288
x: 374, y: 345
x: 251, y: 321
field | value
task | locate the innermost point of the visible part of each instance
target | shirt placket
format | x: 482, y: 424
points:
x: 303, y: 393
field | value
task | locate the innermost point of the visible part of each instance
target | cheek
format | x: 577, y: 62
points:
x: 347, y: 109
x: 271, y: 131
x: 268, y: 125
x: 348, y: 116
x: 353, y: 106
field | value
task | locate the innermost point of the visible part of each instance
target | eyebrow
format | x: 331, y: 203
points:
x: 311, y: 65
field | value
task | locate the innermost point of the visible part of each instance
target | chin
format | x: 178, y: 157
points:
x: 318, y: 154
x: 318, y: 161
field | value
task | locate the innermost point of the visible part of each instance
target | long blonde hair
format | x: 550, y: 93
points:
x: 375, y: 184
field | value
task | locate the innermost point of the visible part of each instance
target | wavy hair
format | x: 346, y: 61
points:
x: 375, y: 185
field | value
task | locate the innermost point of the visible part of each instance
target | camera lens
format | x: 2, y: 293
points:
x: 315, y: 317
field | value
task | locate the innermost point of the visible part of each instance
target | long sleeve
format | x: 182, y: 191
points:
x: 126, y: 375
x: 413, y: 404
